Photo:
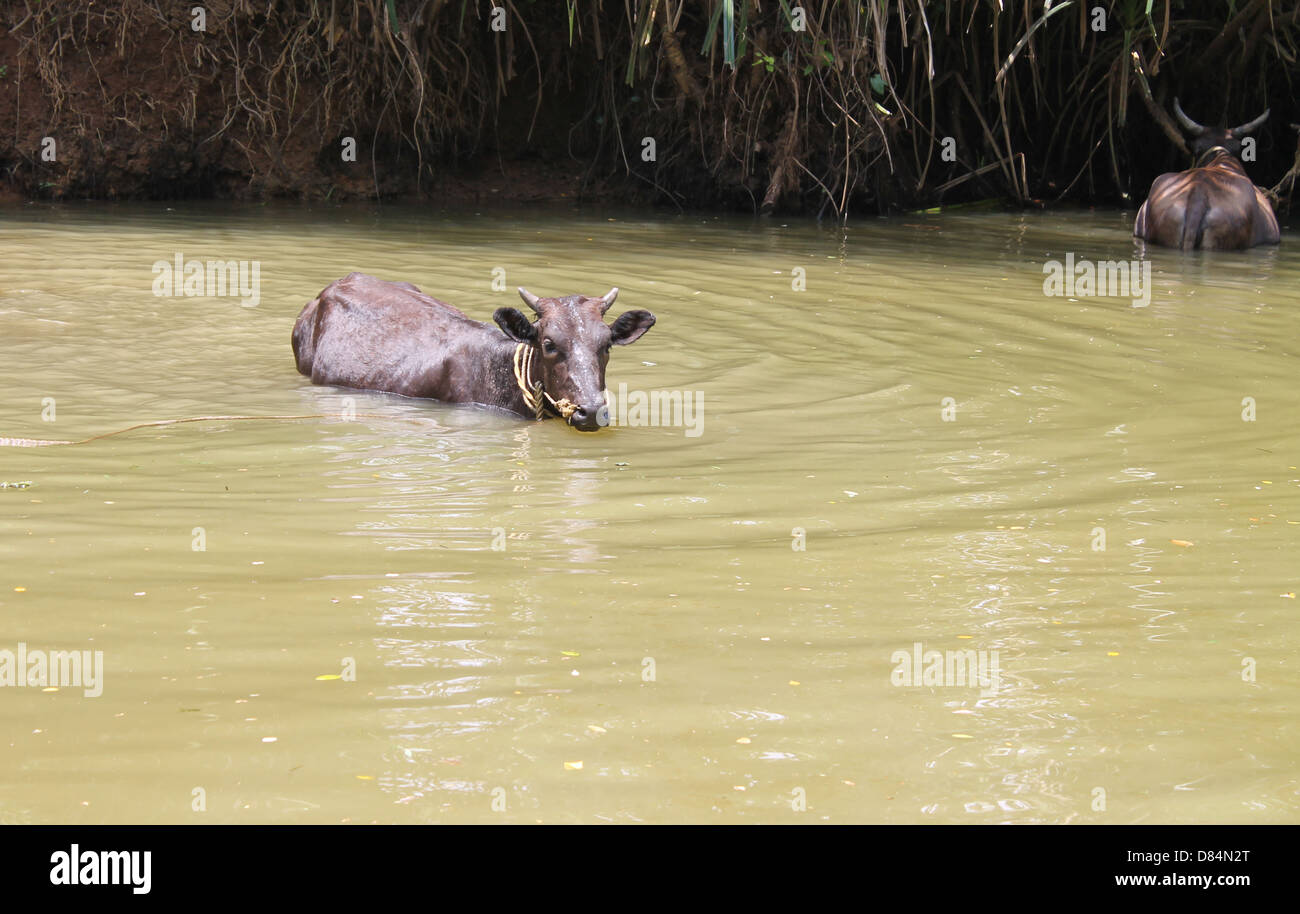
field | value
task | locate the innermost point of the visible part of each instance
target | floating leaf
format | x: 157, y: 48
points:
x: 328, y: 676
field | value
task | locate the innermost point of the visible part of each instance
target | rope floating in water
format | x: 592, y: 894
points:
x: 43, y: 442
x: 30, y: 442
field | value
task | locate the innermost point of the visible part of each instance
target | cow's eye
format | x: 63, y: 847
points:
x: 549, y: 347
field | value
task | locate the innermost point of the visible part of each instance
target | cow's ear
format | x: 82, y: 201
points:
x: 630, y: 326
x: 515, y: 325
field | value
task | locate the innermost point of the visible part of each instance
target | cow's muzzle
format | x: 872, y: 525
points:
x: 590, y: 418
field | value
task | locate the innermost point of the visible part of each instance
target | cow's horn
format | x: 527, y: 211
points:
x: 1247, y: 129
x: 608, y: 299
x: 1189, y: 125
x: 530, y: 299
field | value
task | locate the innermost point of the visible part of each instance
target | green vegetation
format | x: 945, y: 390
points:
x: 829, y: 106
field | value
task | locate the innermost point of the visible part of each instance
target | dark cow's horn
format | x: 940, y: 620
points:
x: 608, y: 299
x: 1189, y: 125
x: 1247, y: 129
x: 531, y: 299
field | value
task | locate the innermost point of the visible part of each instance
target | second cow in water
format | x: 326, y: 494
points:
x: 367, y: 333
x: 1213, y: 205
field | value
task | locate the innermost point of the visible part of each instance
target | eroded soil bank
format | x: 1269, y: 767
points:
x: 822, y: 108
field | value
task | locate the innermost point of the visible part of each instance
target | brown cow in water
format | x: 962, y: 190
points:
x: 1212, y: 205
x: 366, y: 333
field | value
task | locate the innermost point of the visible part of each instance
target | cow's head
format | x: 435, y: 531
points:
x: 1206, y: 138
x: 572, y: 342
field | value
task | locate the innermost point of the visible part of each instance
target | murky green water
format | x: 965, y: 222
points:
x: 623, y: 627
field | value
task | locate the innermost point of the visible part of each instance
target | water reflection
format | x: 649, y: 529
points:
x: 623, y: 626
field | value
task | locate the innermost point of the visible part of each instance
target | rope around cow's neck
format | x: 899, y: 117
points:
x: 535, y: 395
x: 1209, y: 155
x: 45, y: 442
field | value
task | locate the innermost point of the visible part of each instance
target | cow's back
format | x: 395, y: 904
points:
x: 1211, y: 208
x: 367, y: 333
